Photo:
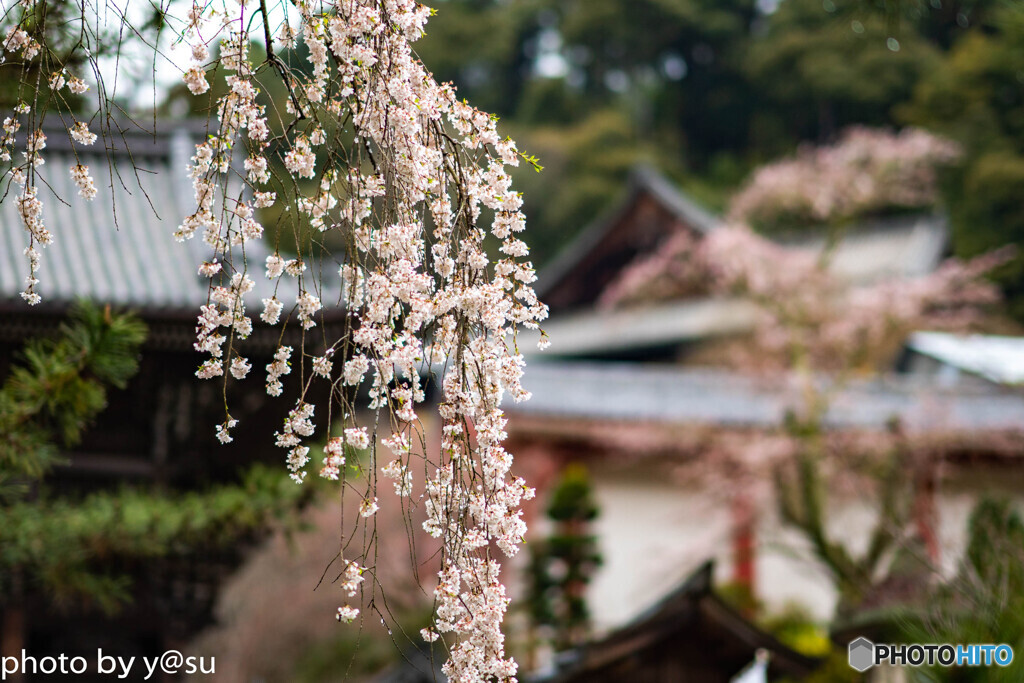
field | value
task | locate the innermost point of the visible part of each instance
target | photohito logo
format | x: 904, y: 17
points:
x: 864, y: 654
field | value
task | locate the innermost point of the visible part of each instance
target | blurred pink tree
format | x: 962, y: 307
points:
x: 822, y: 331
x: 867, y: 172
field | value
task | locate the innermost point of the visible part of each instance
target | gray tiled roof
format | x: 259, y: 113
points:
x: 665, y: 393
x: 118, y: 248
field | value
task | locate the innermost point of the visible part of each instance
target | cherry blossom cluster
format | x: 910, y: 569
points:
x: 21, y: 43
x: 432, y: 285
x: 28, y: 203
x: 416, y: 182
x: 868, y: 171
x: 17, y: 40
x: 801, y: 304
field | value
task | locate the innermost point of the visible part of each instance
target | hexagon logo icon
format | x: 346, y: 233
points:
x: 862, y: 654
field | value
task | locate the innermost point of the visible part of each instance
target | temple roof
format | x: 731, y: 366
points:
x: 683, y: 395
x: 654, y: 209
x: 692, y: 633
x: 118, y: 248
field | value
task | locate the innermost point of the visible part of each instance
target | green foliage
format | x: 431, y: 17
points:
x: 984, y: 603
x: 977, y: 98
x: 60, y: 387
x: 561, y: 566
x: 70, y: 549
x: 996, y: 536
x: 586, y: 167
x: 679, y: 63
x: 795, y: 627
x: 824, y: 70
x: 572, y: 500
x: 482, y: 46
x: 82, y: 549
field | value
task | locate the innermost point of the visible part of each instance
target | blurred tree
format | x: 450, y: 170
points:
x: 824, y: 66
x: 944, y: 22
x: 62, y: 547
x: 486, y: 47
x: 49, y: 400
x: 561, y: 566
x: 585, y: 170
x: 984, y: 603
x: 977, y: 98
x: 679, y: 61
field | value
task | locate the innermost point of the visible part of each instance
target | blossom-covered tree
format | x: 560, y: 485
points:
x: 822, y: 331
x: 867, y: 172
x: 433, y: 275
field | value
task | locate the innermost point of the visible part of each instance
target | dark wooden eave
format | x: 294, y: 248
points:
x: 652, y: 210
x: 692, y: 620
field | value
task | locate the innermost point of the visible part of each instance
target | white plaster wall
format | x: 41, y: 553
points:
x: 653, y: 533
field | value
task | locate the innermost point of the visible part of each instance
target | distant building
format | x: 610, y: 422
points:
x: 654, y: 210
x: 626, y: 391
x: 119, y: 250
x: 692, y: 634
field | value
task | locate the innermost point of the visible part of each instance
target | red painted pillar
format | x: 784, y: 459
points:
x: 743, y: 544
x: 926, y: 517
